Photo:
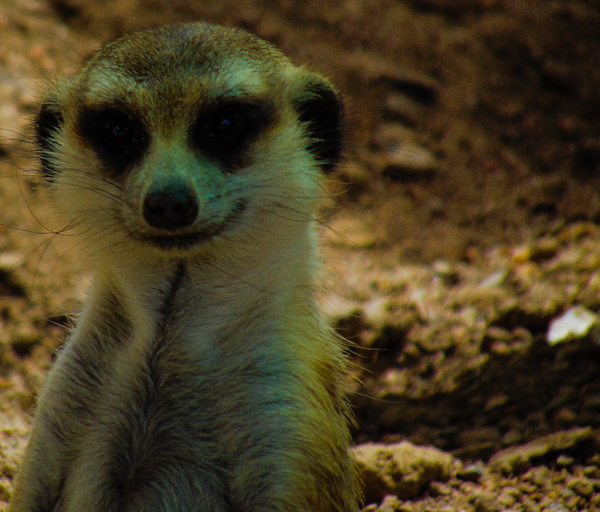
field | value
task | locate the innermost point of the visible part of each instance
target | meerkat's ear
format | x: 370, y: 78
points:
x: 321, y: 109
x: 49, y: 120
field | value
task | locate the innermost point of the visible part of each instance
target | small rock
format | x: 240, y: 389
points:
x: 521, y: 255
x: 574, y: 323
x: 496, y: 401
x: 485, y: 501
x: 506, y: 498
x: 337, y: 307
x: 556, y: 507
x: 518, y: 458
x: 9, y: 119
x: 352, y: 232
x: 439, y: 489
x: 530, y: 505
x: 565, y: 461
x: 479, y: 435
x: 544, y: 249
x: 566, y: 493
x: 591, y: 402
x: 373, y: 68
x: 442, y: 267
x: 389, y: 504
x: 495, y: 279
x: 476, y: 451
x: 355, y: 172
x: 592, y: 472
x: 390, y: 135
x: 581, y: 486
x: 403, y: 108
x: 513, y: 436
x: 470, y: 473
x: 9, y: 260
x: 538, y: 476
x: 401, y: 469
x: 4, y: 492
x: 409, y: 161
x: 376, y: 311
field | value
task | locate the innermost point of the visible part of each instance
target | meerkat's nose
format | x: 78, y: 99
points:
x: 171, y: 205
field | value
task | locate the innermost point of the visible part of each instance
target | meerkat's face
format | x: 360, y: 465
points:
x: 184, y: 135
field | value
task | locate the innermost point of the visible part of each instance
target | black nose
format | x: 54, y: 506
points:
x: 171, y: 206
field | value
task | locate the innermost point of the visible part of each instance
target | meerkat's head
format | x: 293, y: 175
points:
x: 187, y: 136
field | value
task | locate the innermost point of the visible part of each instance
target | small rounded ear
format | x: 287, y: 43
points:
x: 321, y: 109
x: 48, y: 121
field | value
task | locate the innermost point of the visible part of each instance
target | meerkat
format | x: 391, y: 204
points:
x: 200, y: 376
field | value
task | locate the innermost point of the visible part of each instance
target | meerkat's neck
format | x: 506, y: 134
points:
x: 275, y: 276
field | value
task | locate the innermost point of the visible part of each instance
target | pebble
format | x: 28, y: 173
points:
x: 581, y: 486
x: 518, y: 458
x: 10, y: 259
x: 544, y: 249
x: 370, y: 508
x: 592, y: 402
x: 470, y: 473
x: 409, y: 161
x: 576, y: 322
x: 389, y: 504
x: 4, y: 491
x: 521, y: 255
x: 486, y: 501
x: 439, y: 489
x: 375, y: 68
x: 404, y: 108
x: 507, y: 498
x: 495, y: 279
x: 417, y: 85
x: 496, y: 401
x: 401, y: 469
x: 564, y: 460
x: 351, y: 232
x: 376, y: 311
x: 10, y: 121
x: 389, y: 135
x: 556, y: 507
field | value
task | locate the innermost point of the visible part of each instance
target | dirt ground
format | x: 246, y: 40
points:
x: 464, y: 229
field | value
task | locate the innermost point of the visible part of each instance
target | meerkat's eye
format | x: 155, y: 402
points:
x: 112, y: 130
x: 117, y: 137
x: 227, y: 125
x: 225, y: 131
x: 119, y: 131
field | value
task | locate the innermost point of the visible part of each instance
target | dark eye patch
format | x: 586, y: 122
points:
x: 118, y: 137
x: 226, y: 130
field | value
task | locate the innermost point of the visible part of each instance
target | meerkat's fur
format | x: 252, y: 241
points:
x: 200, y: 376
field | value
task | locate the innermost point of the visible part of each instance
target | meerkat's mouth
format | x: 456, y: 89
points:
x: 179, y: 242
x: 187, y: 241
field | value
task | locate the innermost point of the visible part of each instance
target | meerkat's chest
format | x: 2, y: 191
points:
x: 172, y: 410
x: 149, y: 431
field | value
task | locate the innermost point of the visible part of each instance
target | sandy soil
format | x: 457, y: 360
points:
x: 464, y: 228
